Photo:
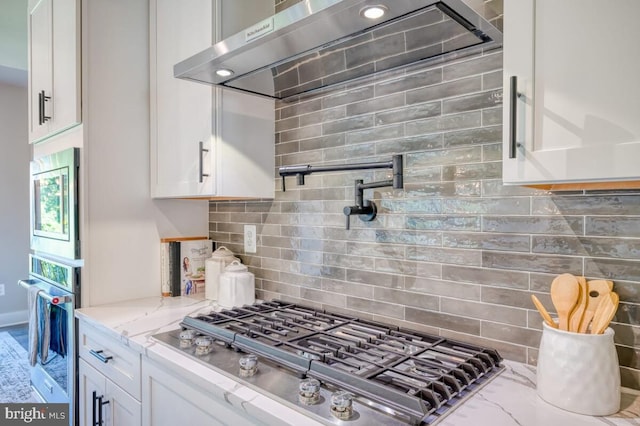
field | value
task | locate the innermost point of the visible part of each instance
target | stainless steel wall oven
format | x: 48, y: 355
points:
x: 56, y: 292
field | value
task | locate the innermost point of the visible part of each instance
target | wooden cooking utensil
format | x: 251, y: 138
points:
x: 604, y: 313
x: 596, y: 291
x: 565, y: 291
x: 578, y: 311
x: 545, y: 315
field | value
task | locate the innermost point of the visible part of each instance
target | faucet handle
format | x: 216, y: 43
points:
x: 348, y: 211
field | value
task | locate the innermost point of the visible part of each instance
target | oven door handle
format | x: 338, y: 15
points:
x: 54, y: 300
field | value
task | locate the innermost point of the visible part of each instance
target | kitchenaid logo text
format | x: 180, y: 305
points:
x: 36, y: 414
x: 258, y: 30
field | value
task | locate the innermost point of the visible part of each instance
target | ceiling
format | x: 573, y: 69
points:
x: 13, y: 41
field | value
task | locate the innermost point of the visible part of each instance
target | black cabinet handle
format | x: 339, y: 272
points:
x: 201, y: 152
x: 43, y: 98
x: 513, y: 119
x: 40, y: 107
x: 94, y: 416
x: 100, y: 356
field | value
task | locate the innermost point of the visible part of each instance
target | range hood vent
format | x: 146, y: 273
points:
x: 316, y: 44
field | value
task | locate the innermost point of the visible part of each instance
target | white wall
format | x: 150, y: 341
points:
x: 14, y: 201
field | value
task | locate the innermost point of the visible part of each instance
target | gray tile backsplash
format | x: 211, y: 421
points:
x: 455, y: 252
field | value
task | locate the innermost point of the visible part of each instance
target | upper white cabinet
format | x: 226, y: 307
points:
x: 206, y: 142
x: 54, y: 67
x: 571, y: 92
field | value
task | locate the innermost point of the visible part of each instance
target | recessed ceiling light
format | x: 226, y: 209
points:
x: 374, y: 12
x: 224, y: 72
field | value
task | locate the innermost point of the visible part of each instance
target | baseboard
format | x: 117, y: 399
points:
x: 14, y: 318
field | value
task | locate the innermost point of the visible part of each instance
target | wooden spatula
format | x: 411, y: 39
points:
x: 565, y: 291
x: 578, y: 311
x: 596, y: 291
x: 604, y: 313
x: 545, y: 315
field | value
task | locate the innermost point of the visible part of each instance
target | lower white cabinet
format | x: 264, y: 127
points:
x: 169, y: 400
x: 104, y: 403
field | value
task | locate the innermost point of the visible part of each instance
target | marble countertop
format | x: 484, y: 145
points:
x: 509, y: 399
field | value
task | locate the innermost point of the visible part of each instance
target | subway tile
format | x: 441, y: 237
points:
x: 444, y: 123
x: 492, y: 152
x: 343, y: 98
x: 492, y: 116
x: 492, y: 277
x: 625, y: 248
x: 473, y: 66
x: 518, y: 335
x: 407, y: 82
x: 347, y: 288
x: 486, y: 170
x: 281, y: 288
x: 348, y: 124
x: 443, y: 157
x: 588, y: 205
x: 613, y: 269
x: 492, y: 80
x: 375, y: 278
x: 444, y: 222
x: 330, y: 298
x: 495, y: 188
x: 486, y: 241
x: 407, y: 238
x: 416, y: 112
x: 328, y: 141
x: 473, y: 102
x: 411, y: 206
x: 321, y: 116
x: 439, y: 287
x: 349, y: 151
x: 484, y: 311
x: 532, y: 262
x: 287, y: 124
x: 444, y: 189
x: 287, y: 147
x: 301, y: 133
x: 444, y: 90
x: 375, y: 307
x: 625, y: 334
x: 445, y: 255
x: 307, y: 157
x: 374, y: 249
x: 396, y: 266
x: 322, y: 194
x: 486, y: 205
x: 381, y: 103
x: 615, y: 226
x: 302, y: 256
x: 347, y: 261
x: 442, y: 320
x: 408, y: 144
x: 479, y: 136
x: 567, y: 225
x: 378, y: 133
x: 628, y: 291
x: 506, y: 297
x: 405, y: 298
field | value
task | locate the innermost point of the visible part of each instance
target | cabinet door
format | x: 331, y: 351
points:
x: 181, y: 111
x: 99, y: 396
x: 54, y: 67
x: 169, y: 401
x: 121, y: 408
x: 40, y: 72
x: 90, y: 381
x: 576, y: 63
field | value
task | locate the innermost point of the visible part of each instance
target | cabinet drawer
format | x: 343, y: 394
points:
x: 114, y: 360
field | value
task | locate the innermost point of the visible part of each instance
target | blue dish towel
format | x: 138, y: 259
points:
x: 44, y: 319
x: 58, y: 327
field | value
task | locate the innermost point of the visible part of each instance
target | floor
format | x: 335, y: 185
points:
x: 20, y: 333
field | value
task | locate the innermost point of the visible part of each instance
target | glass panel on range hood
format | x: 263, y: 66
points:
x: 400, y: 42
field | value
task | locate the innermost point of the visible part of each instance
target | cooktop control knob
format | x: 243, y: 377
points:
x: 203, y: 345
x: 309, y: 391
x: 248, y: 365
x: 342, y: 405
x: 186, y: 338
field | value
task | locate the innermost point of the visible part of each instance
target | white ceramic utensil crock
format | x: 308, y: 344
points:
x: 213, y: 267
x: 579, y: 372
x: 237, y: 286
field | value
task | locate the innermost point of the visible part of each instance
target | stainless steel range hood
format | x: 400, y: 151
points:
x: 316, y: 44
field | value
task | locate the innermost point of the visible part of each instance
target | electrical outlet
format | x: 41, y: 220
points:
x: 1, y: 289
x: 250, y: 238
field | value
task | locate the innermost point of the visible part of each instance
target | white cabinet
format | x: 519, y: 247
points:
x: 103, y: 402
x: 577, y: 118
x: 169, y: 400
x: 54, y: 67
x: 109, y: 379
x: 205, y: 142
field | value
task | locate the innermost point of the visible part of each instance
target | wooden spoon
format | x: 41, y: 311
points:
x: 596, y: 291
x: 578, y: 312
x: 545, y: 315
x: 565, y: 291
x: 604, y: 313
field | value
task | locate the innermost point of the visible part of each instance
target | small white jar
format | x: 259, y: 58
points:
x: 237, y: 286
x: 213, y: 267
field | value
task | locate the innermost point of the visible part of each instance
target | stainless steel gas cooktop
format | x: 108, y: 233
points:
x: 336, y: 368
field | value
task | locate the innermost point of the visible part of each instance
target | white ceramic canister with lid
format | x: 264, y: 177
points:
x: 213, y: 267
x: 237, y: 286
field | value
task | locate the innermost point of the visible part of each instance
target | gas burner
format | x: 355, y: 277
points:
x: 374, y: 369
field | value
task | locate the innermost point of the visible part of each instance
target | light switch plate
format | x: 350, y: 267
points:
x: 250, y: 238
